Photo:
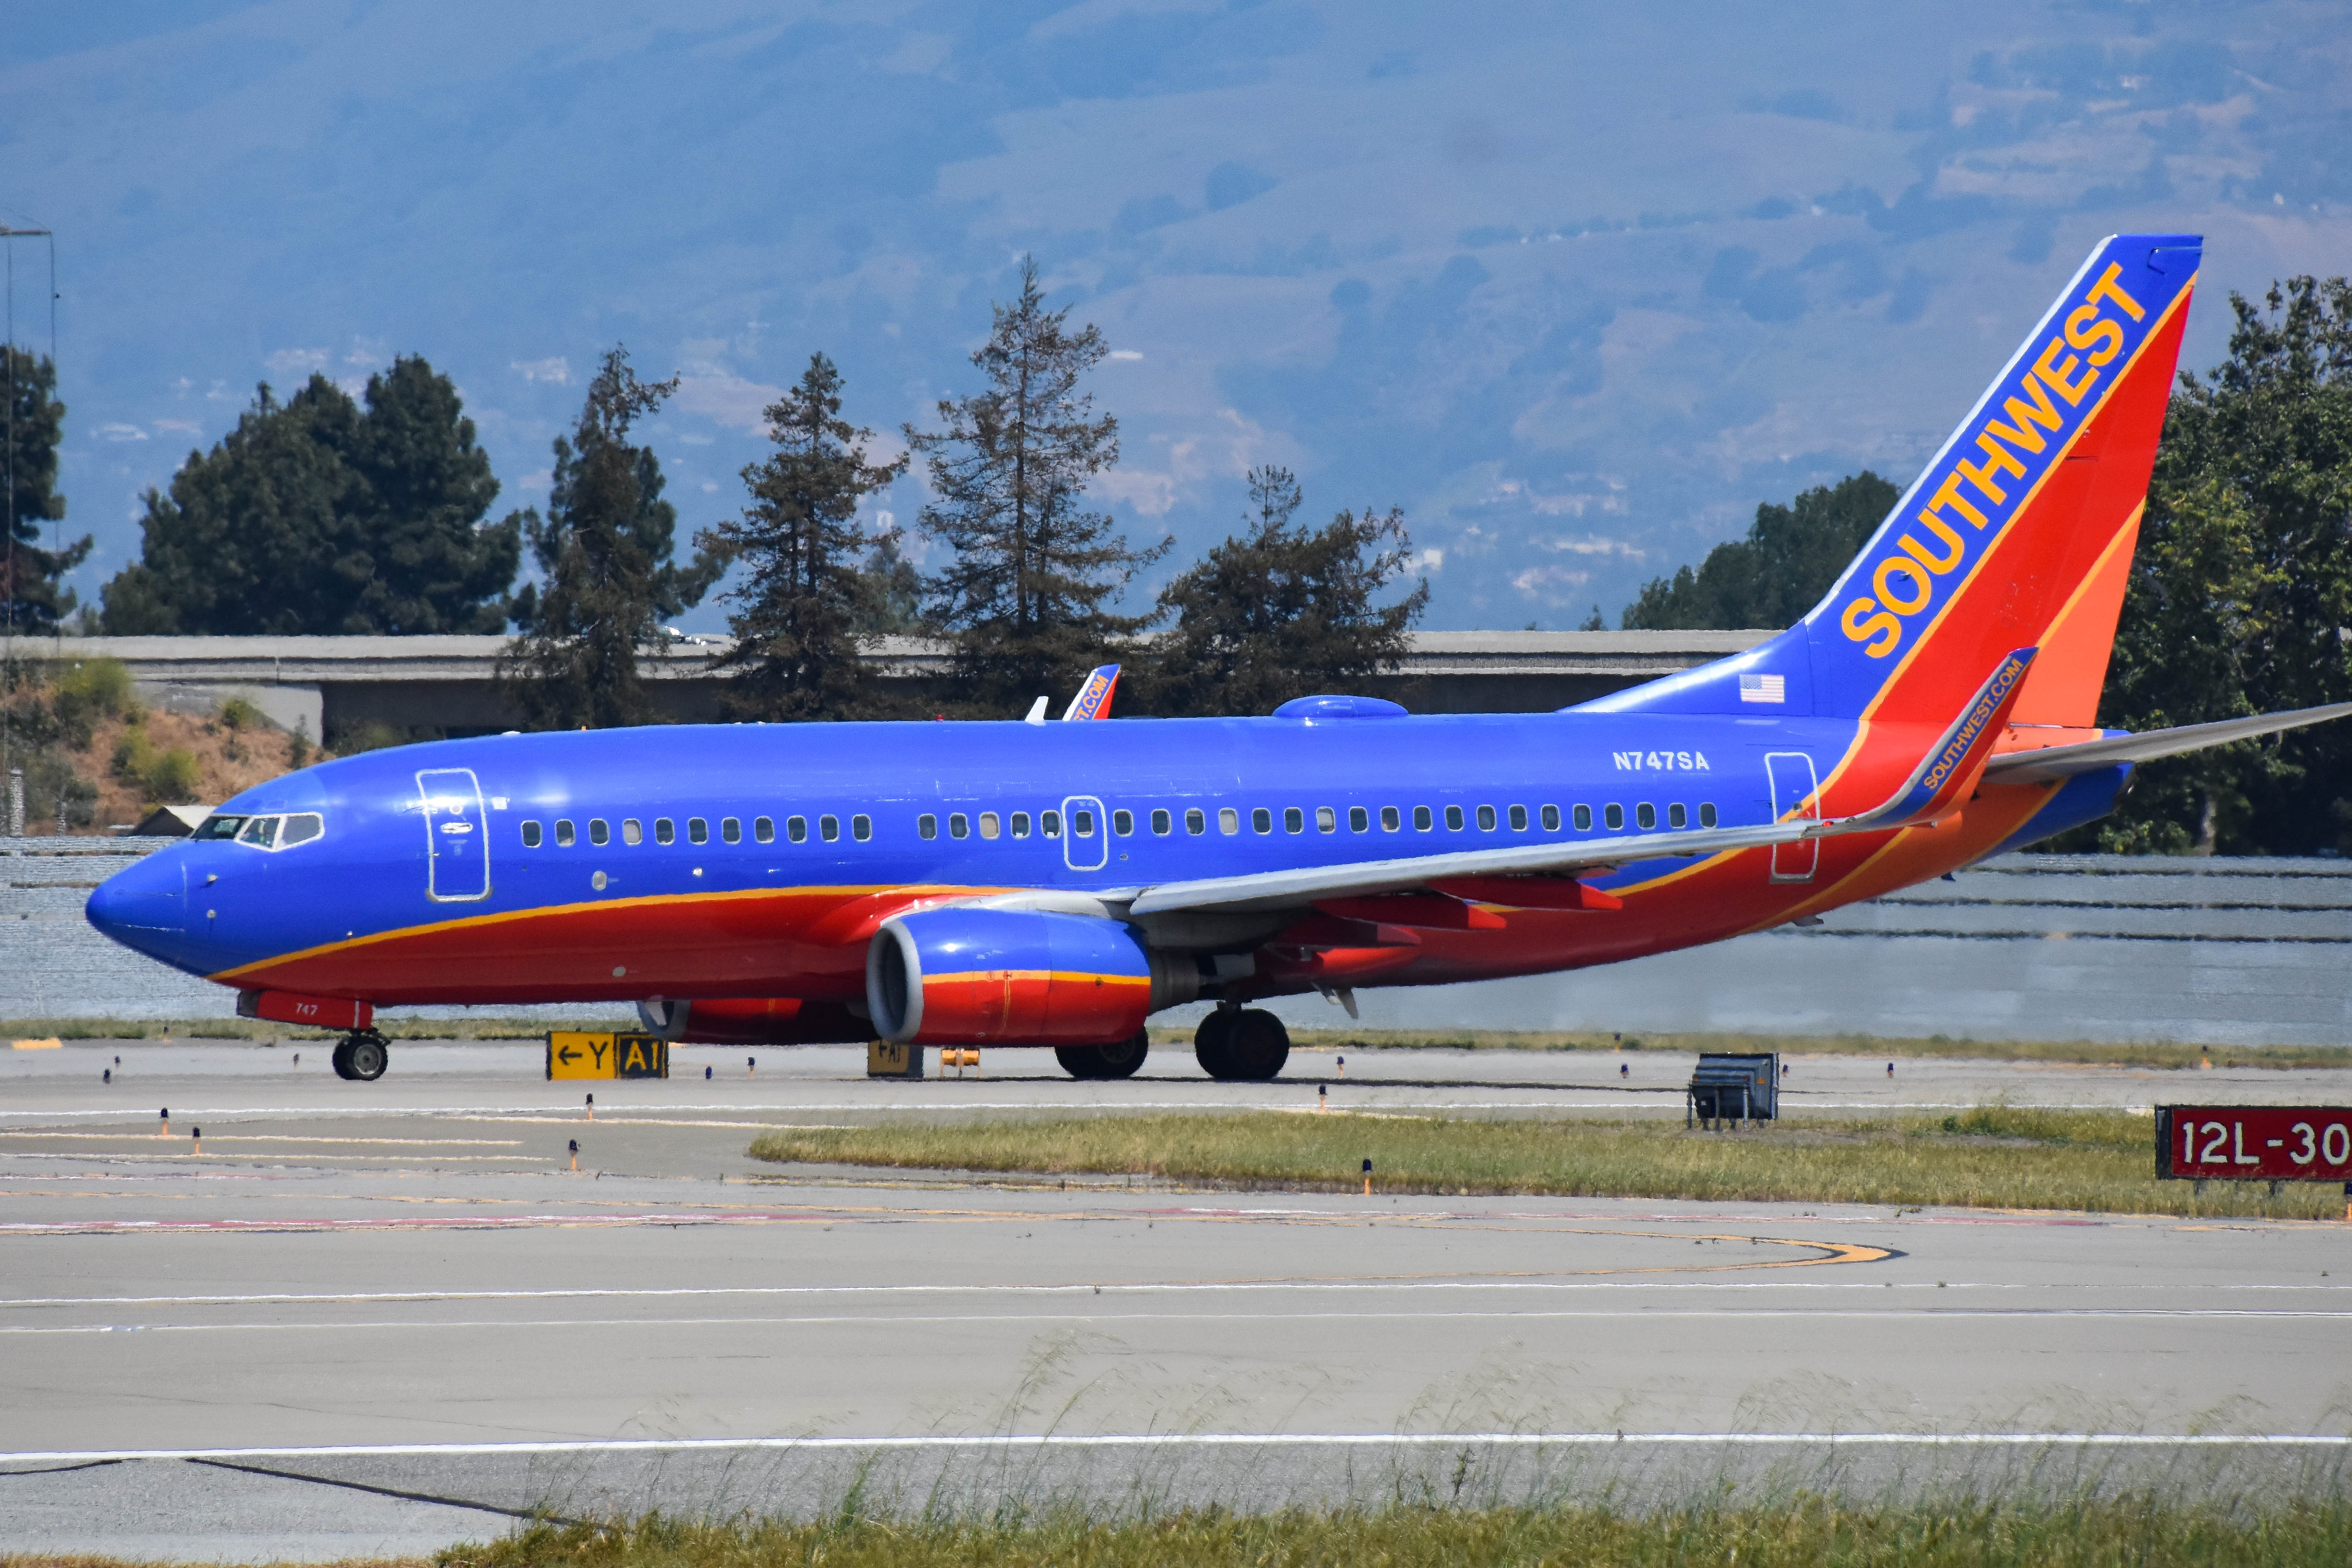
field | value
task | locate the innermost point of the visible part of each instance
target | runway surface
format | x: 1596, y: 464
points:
x: 408, y: 1274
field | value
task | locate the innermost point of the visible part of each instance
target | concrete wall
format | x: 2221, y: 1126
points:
x: 2226, y: 952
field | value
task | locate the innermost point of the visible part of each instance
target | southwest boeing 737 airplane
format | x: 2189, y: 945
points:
x: 1031, y: 884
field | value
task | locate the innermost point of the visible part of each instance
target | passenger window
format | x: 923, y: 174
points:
x: 1485, y: 819
x: 1615, y: 816
x: 697, y: 830
x: 1645, y: 816
x: 1293, y: 819
x: 1196, y: 822
x: 1551, y: 819
x: 664, y: 830
x: 1326, y: 819
x: 258, y: 832
x: 1421, y: 819
x: 1049, y: 824
x: 1389, y: 821
x: 795, y: 830
x: 1678, y: 816
x: 1229, y: 821
x: 730, y: 829
x: 861, y: 827
x: 927, y: 825
x: 531, y: 835
x: 1358, y: 820
x: 304, y: 826
x: 1454, y: 818
x: 1162, y: 823
x: 598, y: 834
x: 763, y: 829
x: 1122, y: 822
x: 991, y: 825
x: 1020, y: 824
x: 1518, y: 819
x: 958, y: 825
x: 564, y: 833
x: 829, y: 828
x: 1082, y: 825
x: 1261, y: 820
x: 1584, y: 819
x: 1707, y: 813
x: 632, y: 832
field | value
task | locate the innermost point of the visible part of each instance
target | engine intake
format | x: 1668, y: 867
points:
x: 976, y: 976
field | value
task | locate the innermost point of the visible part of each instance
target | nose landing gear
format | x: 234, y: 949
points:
x: 1119, y: 1060
x: 362, y: 1054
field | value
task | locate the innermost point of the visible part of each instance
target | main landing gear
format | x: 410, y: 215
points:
x: 1116, y: 1060
x: 1249, y: 1045
x: 362, y: 1054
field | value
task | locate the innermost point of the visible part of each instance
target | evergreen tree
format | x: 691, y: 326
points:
x: 1284, y: 610
x: 894, y: 606
x: 1790, y: 556
x: 1026, y: 594
x: 315, y: 517
x: 33, y: 595
x: 805, y: 598
x: 604, y: 549
x: 2241, y: 591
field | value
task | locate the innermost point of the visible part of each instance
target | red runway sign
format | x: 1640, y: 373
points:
x: 2253, y: 1142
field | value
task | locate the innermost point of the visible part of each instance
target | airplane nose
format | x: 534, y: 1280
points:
x: 149, y: 896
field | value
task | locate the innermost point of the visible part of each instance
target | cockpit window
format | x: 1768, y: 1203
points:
x: 265, y: 832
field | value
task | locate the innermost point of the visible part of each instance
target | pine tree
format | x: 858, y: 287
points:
x: 1771, y: 578
x: 805, y: 598
x: 1026, y: 596
x: 603, y: 549
x: 315, y: 517
x: 1282, y: 611
x: 33, y: 595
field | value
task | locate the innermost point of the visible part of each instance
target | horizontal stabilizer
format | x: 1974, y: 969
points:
x: 2051, y: 764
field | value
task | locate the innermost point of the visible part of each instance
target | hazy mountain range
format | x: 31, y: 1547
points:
x: 1577, y: 285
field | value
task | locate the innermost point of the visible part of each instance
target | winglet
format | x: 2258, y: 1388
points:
x: 1093, y: 701
x: 1948, y: 774
x: 1036, y: 714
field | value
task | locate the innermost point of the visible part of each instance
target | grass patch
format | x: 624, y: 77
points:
x: 2078, y: 1053
x: 2138, y: 1531
x: 1993, y: 1157
x: 162, y: 1029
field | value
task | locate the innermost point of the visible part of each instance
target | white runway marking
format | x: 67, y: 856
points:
x: 868, y: 1319
x: 1228, y: 1440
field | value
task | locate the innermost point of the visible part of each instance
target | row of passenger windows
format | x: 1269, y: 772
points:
x: 1048, y: 823
x: 697, y: 830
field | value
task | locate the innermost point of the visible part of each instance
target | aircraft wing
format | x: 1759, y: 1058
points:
x: 2051, y: 764
x: 1937, y: 785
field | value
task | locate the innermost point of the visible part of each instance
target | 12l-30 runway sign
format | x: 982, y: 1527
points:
x: 2253, y: 1142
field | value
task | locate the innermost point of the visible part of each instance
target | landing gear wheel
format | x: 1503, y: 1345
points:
x: 1080, y: 1061
x: 1122, y: 1059
x: 362, y: 1055
x: 1211, y: 1044
x: 1256, y: 1047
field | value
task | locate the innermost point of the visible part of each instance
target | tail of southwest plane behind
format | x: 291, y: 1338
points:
x: 2019, y: 534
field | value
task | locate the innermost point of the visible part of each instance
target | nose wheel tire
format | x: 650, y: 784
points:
x: 363, y: 1057
x: 1117, y: 1061
x: 1248, y: 1047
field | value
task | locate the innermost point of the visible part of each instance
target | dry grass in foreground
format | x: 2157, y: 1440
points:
x: 1993, y: 1157
x: 2140, y: 1533
x: 2071, y: 1053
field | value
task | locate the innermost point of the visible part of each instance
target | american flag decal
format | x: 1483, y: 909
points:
x: 1763, y: 689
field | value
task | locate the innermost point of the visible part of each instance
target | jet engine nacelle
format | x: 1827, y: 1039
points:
x: 980, y: 977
